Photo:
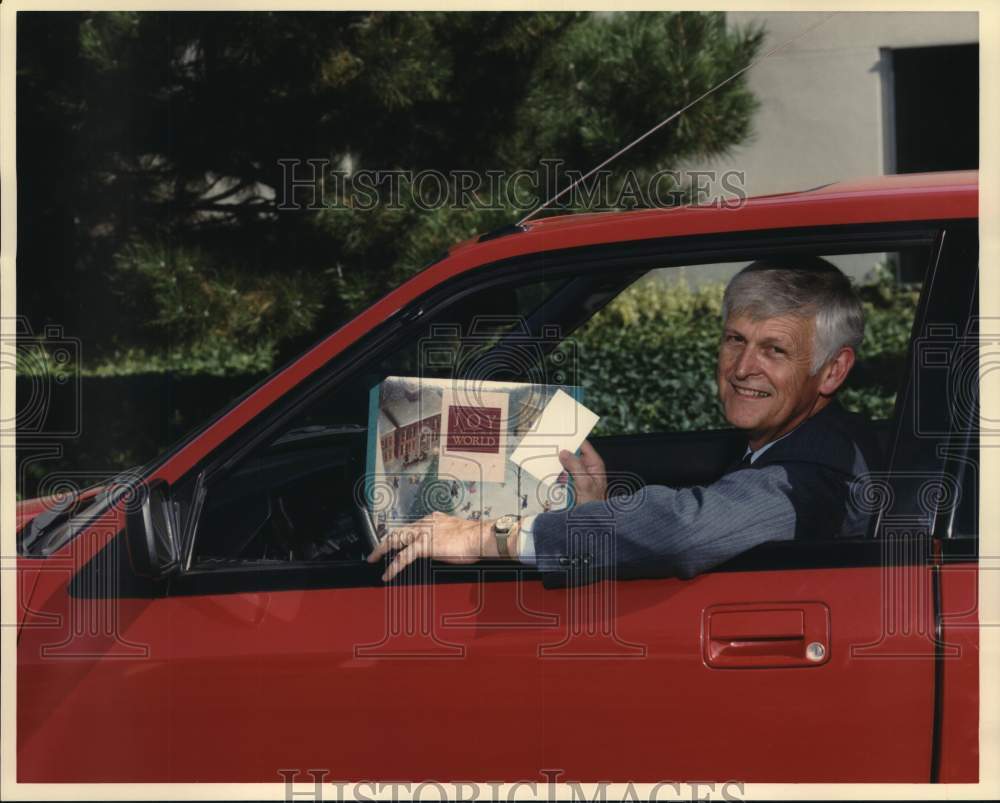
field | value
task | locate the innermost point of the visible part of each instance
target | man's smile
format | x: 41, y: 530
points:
x: 749, y: 393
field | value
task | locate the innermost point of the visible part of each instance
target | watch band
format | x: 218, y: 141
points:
x: 503, y: 528
x: 502, y: 539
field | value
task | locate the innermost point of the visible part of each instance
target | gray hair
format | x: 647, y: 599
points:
x: 804, y: 286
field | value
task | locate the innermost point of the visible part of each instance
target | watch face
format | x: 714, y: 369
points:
x: 504, y: 523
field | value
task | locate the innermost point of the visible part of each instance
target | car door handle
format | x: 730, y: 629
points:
x: 746, y: 636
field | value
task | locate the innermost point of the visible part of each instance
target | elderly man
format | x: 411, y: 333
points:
x: 790, y: 333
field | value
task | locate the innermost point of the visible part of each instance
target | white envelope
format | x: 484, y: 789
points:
x: 563, y: 424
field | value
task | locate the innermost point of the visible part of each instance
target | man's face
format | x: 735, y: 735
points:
x: 764, y: 382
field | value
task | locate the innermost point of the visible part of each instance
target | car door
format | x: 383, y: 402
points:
x: 809, y: 661
x: 804, y: 662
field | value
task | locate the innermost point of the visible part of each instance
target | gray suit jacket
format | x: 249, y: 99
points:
x: 806, y: 486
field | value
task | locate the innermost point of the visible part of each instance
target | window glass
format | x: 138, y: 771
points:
x: 294, y: 497
x: 647, y: 360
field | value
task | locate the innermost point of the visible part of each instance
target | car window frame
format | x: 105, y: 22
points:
x: 635, y: 257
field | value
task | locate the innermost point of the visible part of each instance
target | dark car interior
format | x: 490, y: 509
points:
x: 287, y: 504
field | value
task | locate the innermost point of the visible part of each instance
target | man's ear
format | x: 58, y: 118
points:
x: 835, y: 371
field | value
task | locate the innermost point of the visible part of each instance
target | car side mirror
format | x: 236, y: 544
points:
x: 151, y: 532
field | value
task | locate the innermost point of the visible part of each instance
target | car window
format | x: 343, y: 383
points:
x: 641, y: 344
x: 647, y: 360
x: 295, y: 497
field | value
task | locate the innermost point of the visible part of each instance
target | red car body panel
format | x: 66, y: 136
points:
x: 223, y: 660
x: 960, y: 674
x: 168, y: 689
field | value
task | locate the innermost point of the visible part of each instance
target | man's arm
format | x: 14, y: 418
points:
x: 685, y: 531
x: 442, y: 537
x: 681, y: 530
x: 457, y: 540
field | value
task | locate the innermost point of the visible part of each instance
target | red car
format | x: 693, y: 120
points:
x: 212, y: 618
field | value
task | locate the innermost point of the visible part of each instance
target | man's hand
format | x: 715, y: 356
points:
x: 439, y: 536
x: 589, y: 479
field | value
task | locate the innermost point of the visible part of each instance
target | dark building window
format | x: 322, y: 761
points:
x: 936, y: 116
x: 936, y: 91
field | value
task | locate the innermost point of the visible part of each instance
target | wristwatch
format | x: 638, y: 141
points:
x: 502, y: 529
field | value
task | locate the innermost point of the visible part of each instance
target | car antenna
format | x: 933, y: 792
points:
x: 673, y: 116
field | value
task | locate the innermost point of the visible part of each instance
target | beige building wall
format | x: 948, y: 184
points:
x: 826, y: 99
x: 826, y: 103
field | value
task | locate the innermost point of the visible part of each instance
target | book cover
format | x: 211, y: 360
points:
x: 474, y: 449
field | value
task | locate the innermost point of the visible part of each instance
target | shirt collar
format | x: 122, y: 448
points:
x: 754, y: 454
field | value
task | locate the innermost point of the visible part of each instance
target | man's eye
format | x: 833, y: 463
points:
x: 777, y: 350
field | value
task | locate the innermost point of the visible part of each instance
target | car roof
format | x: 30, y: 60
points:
x: 910, y: 196
x: 882, y: 199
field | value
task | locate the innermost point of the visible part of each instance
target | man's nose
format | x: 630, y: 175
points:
x: 746, y: 365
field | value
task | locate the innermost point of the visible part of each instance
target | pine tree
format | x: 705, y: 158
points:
x: 149, y: 147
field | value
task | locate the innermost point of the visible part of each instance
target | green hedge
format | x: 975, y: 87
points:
x: 647, y: 361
